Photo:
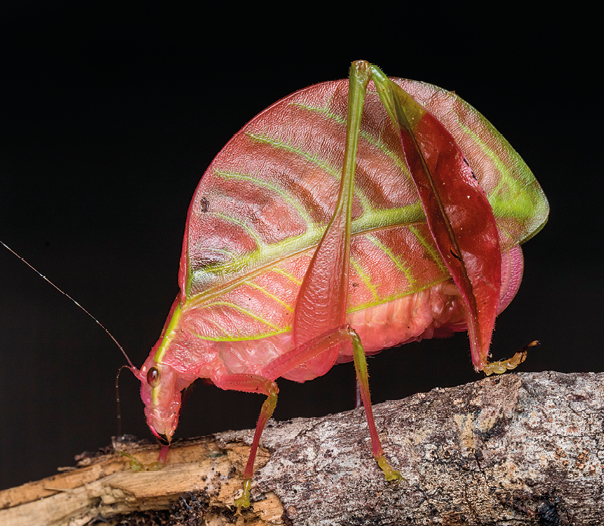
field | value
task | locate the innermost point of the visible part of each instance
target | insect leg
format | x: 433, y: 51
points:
x: 252, y: 383
x: 360, y: 364
x: 511, y: 363
x: 322, y: 343
x: 323, y: 295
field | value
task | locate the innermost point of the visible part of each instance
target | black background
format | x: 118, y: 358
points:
x: 108, y: 118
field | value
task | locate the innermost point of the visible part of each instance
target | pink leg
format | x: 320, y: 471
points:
x: 360, y: 364
x: 316, y: 346
x: 252, y: 383
x: 314, y: 322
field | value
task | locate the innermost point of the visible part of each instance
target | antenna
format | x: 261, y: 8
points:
x: 74, y: 301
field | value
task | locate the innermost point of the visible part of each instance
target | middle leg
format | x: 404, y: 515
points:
x: 341, y: 335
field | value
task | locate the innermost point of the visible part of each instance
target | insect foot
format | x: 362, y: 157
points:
x: 502, y: 366
x: 136, y: 465
x: 389, y: 472
x: 244, y: 500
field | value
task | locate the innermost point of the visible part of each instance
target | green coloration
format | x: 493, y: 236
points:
x: 287, y: 328
x: 395, y: 259
x: 319, y: 321
x: 166, y: 340
x: 261, y: 260
x: 400, y: 107
x: 365, y: 277
x: 244, y: 500
x: 328, y: 248
x: 137, y: 465
x: 377, y: 219
x: 243, y: 338
x: 393, y: 297
x: 516, y: 195
x: 288, y: 147
x: 396, y: 159
x: 517, y: 201
x: 229, y: 253
x: 244, y: 226
x: 268, y: 294
x: 390, y: 473
x: 430, y: 248
x: 287, y: 275
x: 313, y: 159
x: 332, y: 256
x: 268, y: 408
x: 287, y: 196
x: 318, y: 109
x: 227, y: 338
x: 245, y: 311
x: 360, y: 365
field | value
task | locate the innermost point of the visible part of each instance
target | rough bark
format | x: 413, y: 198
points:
x: 516, y: 449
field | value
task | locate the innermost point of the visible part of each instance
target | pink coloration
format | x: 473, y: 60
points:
x: 163, y: 454
x: 512, y: 266
x: 274, y: 283
x: 458, y: 213
x: 163, y: 409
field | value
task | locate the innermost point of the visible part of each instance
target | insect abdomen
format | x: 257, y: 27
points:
x: 409, y: 318
x: 435, y: 311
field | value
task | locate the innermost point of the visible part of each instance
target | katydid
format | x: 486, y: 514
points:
x: 347, y: 218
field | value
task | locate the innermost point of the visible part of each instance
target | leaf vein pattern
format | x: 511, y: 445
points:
x: 268, y: 294
x: 489, y: 152
x: 430, y: 248
x: 377, y: 143
x: 251, y: 232
x: 263, y: 256
x: 287, y: 275
x: 219, y: 327
x: 392, y: 297
x: 364, y: 276
x: 243, y: 338
x: 220, y: 251
x: 310, y: 158
x: 241, y: 309
x: 287, y: 196
x: 395, y: 259
x: 513, y: 186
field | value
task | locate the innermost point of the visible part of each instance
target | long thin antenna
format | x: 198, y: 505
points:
x: 74, y: 301
x: 117, y: 399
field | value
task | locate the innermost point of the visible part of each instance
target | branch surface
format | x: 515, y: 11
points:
x: 516, y: 449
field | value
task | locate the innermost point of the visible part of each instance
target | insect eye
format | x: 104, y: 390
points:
x: 153, y: 377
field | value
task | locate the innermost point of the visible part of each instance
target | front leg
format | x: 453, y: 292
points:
x: 252, y: 383
x: 263, y: 384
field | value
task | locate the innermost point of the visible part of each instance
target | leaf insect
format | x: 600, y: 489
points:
x: 431, y: 206
x: 347, y: 218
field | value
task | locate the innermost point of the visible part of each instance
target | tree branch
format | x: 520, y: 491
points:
x: 516, y: 449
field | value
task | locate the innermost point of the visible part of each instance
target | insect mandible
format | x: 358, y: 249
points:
x: 398, y: 187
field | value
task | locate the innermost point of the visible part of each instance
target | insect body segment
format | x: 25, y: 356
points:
x: 161, y: 394
x: 349, y: 217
